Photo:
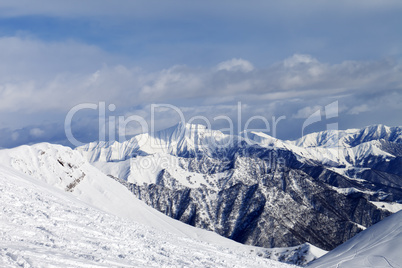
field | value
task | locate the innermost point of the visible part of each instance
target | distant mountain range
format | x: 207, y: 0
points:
x: 322, y: 189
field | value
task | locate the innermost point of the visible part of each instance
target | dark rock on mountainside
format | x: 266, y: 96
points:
x: 320, y: 189
x: 266, y: 205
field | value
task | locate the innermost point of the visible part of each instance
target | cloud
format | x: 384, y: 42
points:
x: 203, y: 33
x: 41, y: 81
x: 299, y: 59
x: 14, y: 137
x: 359, y: 109
x: 36, y: 132
x: 29, y: 134
x: 306, y: 112
x: 235, y: 65
x: 297, y: 77
x: 37, y: 81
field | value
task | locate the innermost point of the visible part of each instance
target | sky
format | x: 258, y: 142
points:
x: 266, y: 62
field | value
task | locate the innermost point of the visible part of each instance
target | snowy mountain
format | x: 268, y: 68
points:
x: 348, y: 148
x: 350, y: 137
x: 254, y: 189
x: 54, y: 201
x: 42, y: 226
x: 182, y: 140
x: 258, y: 190
x: 377, y: 246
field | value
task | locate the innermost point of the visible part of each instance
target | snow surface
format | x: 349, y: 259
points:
x: 46, y: 226
x: 60, y: 167
x: 145, y: 169
x: 391, y: 207
x: 378, y: 246
x: 42, y: 161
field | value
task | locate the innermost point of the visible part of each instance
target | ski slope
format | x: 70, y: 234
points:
x: 378, y: 246
x: 97, y: 222
x: 62, y: 167
x: 45, y: 227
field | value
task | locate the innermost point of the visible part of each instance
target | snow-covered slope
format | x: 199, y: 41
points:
x: 377, y: 246
x: 42, y: 226
x: 66, y: 170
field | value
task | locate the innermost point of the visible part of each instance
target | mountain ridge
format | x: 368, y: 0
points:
x: 241, y: 189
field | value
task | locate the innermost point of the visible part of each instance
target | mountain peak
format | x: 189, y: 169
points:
x: 180, y: 129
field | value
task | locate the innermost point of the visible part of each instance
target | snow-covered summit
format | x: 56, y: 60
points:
x: 350, y: 137
x: 377, y: 132
x: 332, y: 146
x: 181, y: 139
x: 339, y: 147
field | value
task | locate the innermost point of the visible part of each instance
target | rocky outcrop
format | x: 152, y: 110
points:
x: 261, y: 204
x: 268, y: 193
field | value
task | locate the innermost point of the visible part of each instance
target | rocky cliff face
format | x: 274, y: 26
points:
x: 260, y: 194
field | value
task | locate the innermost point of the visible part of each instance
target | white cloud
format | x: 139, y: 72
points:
x: 299, y: 59
x: 46, y: 76
x: 236, y: 65
x: 15, y: 136
x: 359, y: 109
x: 36, y: 132
x: 46, y: 79
x: 50, y: 86
x: 306, y: 112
